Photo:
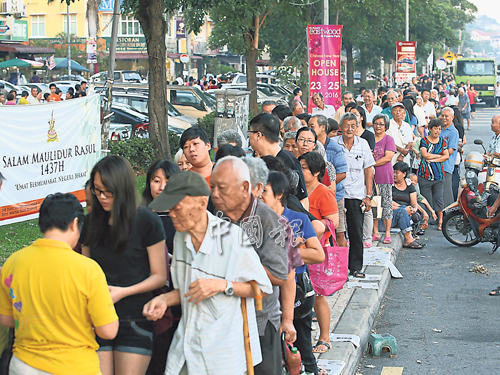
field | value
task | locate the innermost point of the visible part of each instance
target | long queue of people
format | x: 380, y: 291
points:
x: 163, y: 282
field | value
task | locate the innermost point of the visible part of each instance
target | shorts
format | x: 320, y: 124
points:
x: 341, y: 227
x: 134, y: 336
x: 473, y: 107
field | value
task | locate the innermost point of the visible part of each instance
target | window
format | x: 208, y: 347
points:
x: 106, y: 25
x: 37, y: 26
x: 130, y: 26
x: 73, y: 30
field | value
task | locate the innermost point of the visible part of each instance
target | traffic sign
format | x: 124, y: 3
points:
x: 441, y: 63
x: 449, y: 56
x: 184, y: 58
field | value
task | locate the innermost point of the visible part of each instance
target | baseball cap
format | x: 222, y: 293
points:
x: 180, y: 185
x: 398, y: 104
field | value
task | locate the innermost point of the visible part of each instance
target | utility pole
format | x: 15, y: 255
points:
x: 326, y: 13
x: 407, y: 20
x: 109, y: 84
x: 69, y: 41
x: 188, y: 51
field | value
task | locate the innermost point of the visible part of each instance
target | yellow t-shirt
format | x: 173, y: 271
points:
x: 23, y: 101
x: 55, y: 296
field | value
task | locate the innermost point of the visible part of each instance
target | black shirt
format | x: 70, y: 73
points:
x: 370, y: 138
x: 129, y: 266
x: 402, y: 197
x: 293, y: 163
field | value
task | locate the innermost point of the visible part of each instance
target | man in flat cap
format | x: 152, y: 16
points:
x: 212, y: 265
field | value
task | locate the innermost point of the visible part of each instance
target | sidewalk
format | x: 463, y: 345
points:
x: 353, y: 311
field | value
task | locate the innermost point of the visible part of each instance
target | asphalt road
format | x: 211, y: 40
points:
x: 437, y: 291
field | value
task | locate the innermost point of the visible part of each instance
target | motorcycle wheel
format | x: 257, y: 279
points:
x: 458, y: 231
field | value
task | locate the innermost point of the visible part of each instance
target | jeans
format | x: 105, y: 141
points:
x: 401, y: 219
x: 354, y: 220
x: 303, y: 343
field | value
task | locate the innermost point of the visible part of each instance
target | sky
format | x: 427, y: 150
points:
x: 491, y: 8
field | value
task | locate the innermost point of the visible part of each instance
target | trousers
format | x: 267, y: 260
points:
x: 354, y: 220
x: 448, y: 189
x: 303, y: 343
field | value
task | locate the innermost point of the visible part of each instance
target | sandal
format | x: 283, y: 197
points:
x: 321, y: 343
x: 420, y: 232
x: 425, y: 225
x: 440, y: 226
x: 367, y: 245
x: 359, y: 274
x: 413, y: 245
x: 495, y: 292
x: 376, y: 238
x: 387, y: 240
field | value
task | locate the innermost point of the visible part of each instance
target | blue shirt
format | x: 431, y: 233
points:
x: 450, y: 135
x: 335, y: 155
x: 300, y: 223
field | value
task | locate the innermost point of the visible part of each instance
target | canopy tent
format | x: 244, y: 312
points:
x: 36, y: 64
x: 14, y: 62
x: 62, y: 63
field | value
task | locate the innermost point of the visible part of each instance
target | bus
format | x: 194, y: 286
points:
x: 481, y: 73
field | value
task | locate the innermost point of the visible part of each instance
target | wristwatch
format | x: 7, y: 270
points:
x: 229, y: 291
x: 369, y: 196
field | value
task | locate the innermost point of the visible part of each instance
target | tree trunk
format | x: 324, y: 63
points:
x: 251, y: 54
x: 350, y: 66
x: 363, y: 71
x: 150, y: 16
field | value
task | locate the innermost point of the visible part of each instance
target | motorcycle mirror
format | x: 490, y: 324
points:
x: 478, y: 142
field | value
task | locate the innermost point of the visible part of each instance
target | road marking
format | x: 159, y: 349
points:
x: 392, y: 371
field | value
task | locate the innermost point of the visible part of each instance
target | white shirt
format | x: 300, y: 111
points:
x: 452, y: 100
x: 402, y: 136
x: 358, y: 158
x: 497, y: 90
x: 32, y: 100
x: 420, y: 115
x: 370, y: 115
x: 429, y: 110
x: 328, y: 111
x: 209, y: 338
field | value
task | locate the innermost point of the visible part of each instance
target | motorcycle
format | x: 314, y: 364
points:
x: 465, y: 221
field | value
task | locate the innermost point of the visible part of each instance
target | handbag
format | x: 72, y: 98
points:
x: 377, y: 204
x: 304, y: 295
x: 331, y: 275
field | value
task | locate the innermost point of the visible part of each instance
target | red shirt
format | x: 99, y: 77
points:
x: 472, y: 97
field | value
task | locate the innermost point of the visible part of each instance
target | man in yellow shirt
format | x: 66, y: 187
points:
x: 54, y: 297
x: 24, y: 98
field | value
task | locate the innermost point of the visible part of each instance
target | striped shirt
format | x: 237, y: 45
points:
x: 432, y: 171
x: 210, y: 334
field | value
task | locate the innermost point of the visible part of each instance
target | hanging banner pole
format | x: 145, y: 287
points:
x: 324, y: 47
x: 406, y: 61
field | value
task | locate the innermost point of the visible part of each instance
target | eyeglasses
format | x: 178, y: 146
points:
x: 306, y: 141
x: 98, y: 193
x: 350, y: 126
x: 252, y: 131
x: 379, y: 124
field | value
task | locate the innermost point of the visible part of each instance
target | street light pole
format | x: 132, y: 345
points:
x: 407, y: 20
x: 69, y: 41
x: 326, y: 13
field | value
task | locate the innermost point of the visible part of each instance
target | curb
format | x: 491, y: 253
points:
x: 359, y: 315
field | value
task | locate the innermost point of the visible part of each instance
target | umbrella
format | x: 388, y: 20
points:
x: 14, y: 62
x: 62, y: 63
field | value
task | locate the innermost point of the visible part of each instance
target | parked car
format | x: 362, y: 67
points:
x: 9, y: 86
x: 261, y: 78
x: 124, y: 76
x: 74, y: 77
x: 126, y: 122
x: 43, y: 87
x: 140, y: 103
x: 263, y: 93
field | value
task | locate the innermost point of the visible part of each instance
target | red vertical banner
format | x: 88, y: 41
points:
x: 406, y: 61
x: 324, y: 43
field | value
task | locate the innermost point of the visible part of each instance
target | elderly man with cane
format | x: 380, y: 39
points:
x: 212, y: 268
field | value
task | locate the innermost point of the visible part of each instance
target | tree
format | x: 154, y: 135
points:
x: 237, y: 24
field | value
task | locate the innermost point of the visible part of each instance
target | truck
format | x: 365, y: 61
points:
x: 481, y: 73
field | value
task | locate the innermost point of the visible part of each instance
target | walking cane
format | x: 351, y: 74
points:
x: 246, y: 332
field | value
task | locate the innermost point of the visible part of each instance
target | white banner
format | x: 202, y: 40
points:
x: 44, y: 149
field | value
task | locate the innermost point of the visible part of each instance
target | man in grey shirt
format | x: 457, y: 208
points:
x: 232, y: 197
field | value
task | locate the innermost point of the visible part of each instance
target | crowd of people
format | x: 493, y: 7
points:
x: 172, y: 279
x: 36, y: 96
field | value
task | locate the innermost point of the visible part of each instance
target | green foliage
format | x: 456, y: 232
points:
x: 208, y: 123
x: 174, y: 140
x: 215, y: 67
x: 138, y: 151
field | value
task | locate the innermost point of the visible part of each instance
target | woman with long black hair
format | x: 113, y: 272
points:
x: 128, y: 242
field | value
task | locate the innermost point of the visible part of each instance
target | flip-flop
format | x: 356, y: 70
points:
x: 413, y: 245
x: 495, y: 292
x: 319, y: 343
x: 359, y: 274
x: 376, y: 238
x: 387, y: 240
x: 367, y: 245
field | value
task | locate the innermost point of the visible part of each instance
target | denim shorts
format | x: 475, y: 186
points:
x: 134, y: 336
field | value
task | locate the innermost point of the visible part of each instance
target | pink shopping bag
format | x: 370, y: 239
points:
x: 331, y: 275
